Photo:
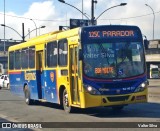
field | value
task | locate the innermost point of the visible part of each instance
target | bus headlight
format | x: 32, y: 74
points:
x: 141, y: 87
x: 91, y: 90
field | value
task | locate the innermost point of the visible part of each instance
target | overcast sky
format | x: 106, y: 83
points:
x: 52, y: 13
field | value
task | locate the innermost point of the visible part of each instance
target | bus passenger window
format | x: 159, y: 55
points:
x: 32, y: 57
x: 24, y: 58
x: 62, y: 52
x: 11, y: 60
x: 52, y: 54
x: 17, y: 59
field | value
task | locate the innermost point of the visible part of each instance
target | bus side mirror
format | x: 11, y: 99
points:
x: 80, y: 54
x: 146, y: 44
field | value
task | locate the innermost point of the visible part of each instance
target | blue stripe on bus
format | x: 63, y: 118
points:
x: 111, y: 87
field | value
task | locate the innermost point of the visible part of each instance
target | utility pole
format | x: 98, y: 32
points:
x: 23, y: 37
x: 4, y: 30
x: 92, y: 11
x: 153, y: 17
x: 82, y: 10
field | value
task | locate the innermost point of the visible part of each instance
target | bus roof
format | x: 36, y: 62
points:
x: 56, y: 35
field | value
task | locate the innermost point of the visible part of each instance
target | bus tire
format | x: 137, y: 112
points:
x: 66, y: 106
x: 117, y: 108
x: 28, y: 101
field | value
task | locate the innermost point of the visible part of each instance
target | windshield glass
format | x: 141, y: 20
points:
x: 113, y: 60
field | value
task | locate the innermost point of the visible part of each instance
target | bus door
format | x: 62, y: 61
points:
x: 40, y: 76
x: 74, y: 74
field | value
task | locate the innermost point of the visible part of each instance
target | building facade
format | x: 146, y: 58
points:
x: 4, y: 45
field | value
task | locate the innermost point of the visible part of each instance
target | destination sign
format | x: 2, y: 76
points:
x: 113, y: 33
x: 91, y: 34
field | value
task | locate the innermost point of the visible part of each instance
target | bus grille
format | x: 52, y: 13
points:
x: 118, y: 98
x: 118, y: 84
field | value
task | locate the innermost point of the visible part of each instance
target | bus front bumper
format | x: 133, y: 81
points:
x: 113, y: 100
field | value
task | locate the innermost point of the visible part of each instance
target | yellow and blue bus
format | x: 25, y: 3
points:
x: 83, y: 67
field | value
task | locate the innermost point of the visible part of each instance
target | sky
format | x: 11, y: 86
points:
x: 52, y: 14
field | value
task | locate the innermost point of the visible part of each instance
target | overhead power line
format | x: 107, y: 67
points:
x: 131, y: 17
x: 20, y: 17
x: 56, y: 20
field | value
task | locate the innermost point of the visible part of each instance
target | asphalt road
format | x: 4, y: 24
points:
x: 14, y: 109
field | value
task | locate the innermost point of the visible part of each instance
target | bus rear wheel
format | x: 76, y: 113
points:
x: 66, y: 106
x: 27, y: 95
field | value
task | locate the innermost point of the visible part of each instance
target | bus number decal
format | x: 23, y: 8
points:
x: 94, y: 34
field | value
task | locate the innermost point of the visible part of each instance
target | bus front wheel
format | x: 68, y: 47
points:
x: 27, y: 95
x: 66, y: 106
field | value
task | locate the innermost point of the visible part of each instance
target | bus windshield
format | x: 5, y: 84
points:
x: 113, y: 60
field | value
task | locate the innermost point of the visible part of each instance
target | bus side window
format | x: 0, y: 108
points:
x: 31, y: 57
x: 24, y: 58
x: 62, y: 52
x: 11, y: 60
x: 17, y: 59
x: 52, y: 54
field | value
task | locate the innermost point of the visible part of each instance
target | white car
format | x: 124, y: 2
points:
x: 4, y: 81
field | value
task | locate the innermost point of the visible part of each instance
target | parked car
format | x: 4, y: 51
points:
x: 4, y: 81
x: 155, y: 73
